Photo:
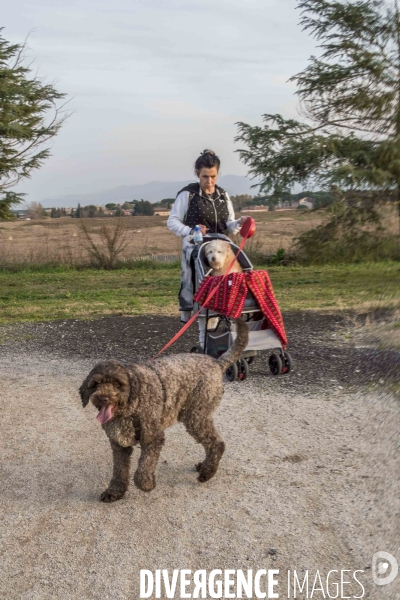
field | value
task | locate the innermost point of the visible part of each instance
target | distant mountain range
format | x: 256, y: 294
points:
x: 153, y: 191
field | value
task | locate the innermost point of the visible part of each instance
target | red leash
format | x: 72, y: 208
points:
x: 247, y: 231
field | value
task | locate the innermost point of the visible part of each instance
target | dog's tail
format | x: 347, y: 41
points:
x: 235, y: 351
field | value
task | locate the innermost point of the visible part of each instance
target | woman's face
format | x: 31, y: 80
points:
x: 208, y: 179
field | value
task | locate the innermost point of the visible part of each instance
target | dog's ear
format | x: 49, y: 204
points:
x: 84, y: 392
x: 87, y: 386
x: 131, y: 387
x: 205, y: 258
x: 134, y: 385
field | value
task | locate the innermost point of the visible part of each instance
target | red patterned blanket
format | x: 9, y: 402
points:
x: 230, y: 298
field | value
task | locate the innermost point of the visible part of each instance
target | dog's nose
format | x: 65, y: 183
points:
x: 103, y: 399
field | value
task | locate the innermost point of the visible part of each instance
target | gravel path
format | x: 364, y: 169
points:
x: 309, y: 479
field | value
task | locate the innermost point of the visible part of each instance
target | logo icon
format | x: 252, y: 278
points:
x: 384, y: 568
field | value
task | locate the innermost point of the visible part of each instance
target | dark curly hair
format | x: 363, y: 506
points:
x: 207, y: 159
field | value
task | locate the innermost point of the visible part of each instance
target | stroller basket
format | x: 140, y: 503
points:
x: 260, y: 338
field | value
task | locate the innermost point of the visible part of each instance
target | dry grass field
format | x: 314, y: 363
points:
x: 61, y: 241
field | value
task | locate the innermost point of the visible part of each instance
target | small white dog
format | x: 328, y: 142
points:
x: 220, y: 255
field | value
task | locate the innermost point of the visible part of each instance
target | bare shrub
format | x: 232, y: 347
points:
x: 106, y: 252
x: 36, y: 211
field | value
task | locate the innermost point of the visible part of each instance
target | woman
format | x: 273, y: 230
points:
x: 204, y: 204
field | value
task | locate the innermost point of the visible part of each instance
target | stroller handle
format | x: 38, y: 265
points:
x: 208, y: 237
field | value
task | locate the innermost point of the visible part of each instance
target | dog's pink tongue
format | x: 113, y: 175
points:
x: 105, y: 414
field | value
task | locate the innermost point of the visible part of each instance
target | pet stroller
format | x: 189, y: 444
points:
x: 220, y: 331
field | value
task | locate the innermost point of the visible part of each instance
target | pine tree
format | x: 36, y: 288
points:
x: 348, y: 141
x: 29, y: 118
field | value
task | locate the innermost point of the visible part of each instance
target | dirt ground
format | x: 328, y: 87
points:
x: 309, y: 480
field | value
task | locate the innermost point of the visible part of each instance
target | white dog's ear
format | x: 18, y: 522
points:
x: 206, y: 261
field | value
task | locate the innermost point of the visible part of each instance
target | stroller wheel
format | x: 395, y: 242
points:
x: 232, y: 372
x: 243, y: 370
x: 197, y: 349
x: 287, y: 363
x: 275, y: 364
x: 250, y: 360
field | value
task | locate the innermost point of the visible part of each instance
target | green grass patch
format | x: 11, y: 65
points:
x: 47, y: 294
x: 362, y: 286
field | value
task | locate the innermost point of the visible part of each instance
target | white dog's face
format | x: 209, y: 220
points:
x: 218, y: 253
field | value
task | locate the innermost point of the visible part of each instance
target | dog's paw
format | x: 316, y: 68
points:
x: 146, y: 483
x: 111, y: 495
x: 206, y: 474
x: 209, y: 466
x: 206, y: 471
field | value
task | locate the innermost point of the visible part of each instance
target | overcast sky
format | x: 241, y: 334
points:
x: 152, y: 82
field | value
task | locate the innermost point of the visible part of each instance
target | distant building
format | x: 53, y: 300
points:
x: 252, y: 209
x: 20, y: 213
x: 262, y: 208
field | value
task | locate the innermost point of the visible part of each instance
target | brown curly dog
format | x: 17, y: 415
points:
x: 137, y: 403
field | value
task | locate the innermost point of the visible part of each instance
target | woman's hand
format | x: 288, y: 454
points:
x: 242, y: 220
x: 203, y: 229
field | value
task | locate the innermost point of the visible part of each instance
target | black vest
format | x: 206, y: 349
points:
x: 202, y: 210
